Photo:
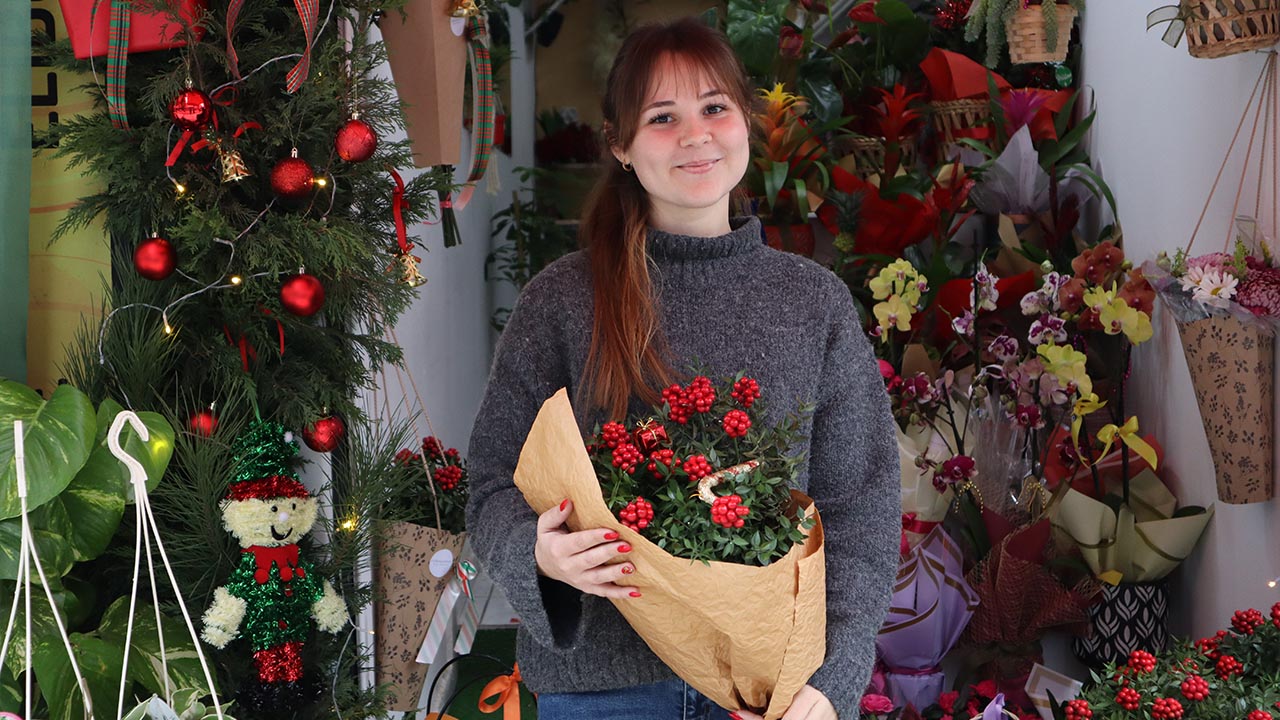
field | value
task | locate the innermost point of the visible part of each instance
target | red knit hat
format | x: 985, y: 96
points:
x: 276, y: 486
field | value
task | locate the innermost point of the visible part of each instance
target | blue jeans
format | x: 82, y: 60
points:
x: 669, y: 700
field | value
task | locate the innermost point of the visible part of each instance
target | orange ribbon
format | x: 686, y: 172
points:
x: 507, y: 688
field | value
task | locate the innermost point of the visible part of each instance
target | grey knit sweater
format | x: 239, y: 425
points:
x: 733, y: 304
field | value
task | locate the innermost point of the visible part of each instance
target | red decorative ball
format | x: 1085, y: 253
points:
x: 324, y: 434
x: 292, y: 178
x: 203, y: 423
x: 302, y: 295
x: 355, y: 141
x: 154, y: 259
x: 191, y: 110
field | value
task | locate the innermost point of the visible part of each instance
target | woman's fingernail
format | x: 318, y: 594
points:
x: 564, y: 504
x: 735, y: 716
x: 636, y: 593
x: 624, y: 548
x: 627, y: 569
x: 611, y: 535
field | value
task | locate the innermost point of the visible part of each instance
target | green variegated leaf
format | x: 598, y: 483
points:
x: 99, y: 665
x: 154, y: 454
x: 43, y: 625
x: 57, y: 434
x: 51, y: 528
x: 145, y: 663
x: 10, y: 691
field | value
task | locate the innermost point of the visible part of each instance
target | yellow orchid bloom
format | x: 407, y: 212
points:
x: 1067, y: 365
x: 892, y: 314
x: 898, y: 278
x: 1118, y: 317
x: 1097, y: 298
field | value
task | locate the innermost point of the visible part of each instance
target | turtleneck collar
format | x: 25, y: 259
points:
x: 744, y: 237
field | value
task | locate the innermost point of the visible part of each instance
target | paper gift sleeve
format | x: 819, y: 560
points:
x: 429, y: 66
x: 753, y: 647
x: 89, y: 26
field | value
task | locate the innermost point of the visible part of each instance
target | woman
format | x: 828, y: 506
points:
x: 666, y: 277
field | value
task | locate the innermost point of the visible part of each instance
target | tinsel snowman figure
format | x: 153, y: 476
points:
x: 273, y: 595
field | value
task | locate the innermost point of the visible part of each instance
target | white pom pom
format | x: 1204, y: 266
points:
x: 288, y: 436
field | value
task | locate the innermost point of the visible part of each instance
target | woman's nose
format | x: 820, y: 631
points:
x: 696, y: 133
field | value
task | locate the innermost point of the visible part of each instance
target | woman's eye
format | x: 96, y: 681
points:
x: 716, y: 109
x: 660, y: 119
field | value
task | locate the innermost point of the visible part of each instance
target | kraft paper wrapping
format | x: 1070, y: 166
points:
x: 746, y: 637
x: 1231, y: 365
x: 415, y: 565
x: 429, y: 66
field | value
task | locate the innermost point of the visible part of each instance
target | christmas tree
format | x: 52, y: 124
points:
x: 256, y: 224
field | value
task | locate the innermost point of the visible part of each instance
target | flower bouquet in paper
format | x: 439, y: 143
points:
x: 932, y: 604
x: 699, y: 489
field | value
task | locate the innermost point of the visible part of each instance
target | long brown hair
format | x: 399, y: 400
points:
x: 628, y: 351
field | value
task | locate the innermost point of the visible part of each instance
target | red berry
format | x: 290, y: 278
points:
x: 697, y: 467
x: 448, y: 477
x: 745, y: 391
x: 729, y: 511
x: 1128, y: 698
x: 1246, y: 621
x: 1142, y: 661
x: 1209, y: 648
x: 1166, y: 709
x: 627, y: 457
x: 701, y: 394
x: 431, y: 446
x: 1078, y: 710
x: 681, y: 407
x: 665, y: 456
x: 614, y: 434
x: 1228, y: 666
x: 1195, y: 688
x: 637, y: 514
x: 736, y: 423
x: 1275, y: 614
x: 1259, y: 715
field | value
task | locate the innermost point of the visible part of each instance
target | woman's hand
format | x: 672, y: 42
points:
x: 808, y: 704
x: 585, y: 559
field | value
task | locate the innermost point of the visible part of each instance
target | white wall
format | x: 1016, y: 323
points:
x: 1164, y: 122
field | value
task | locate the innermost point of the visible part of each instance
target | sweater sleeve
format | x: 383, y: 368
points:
x: 528, y: 367
x: 853, y: 479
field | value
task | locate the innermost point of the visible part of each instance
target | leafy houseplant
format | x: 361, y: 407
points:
x: 531, y: 240
x: 77, y: 495
x: 994, y: 18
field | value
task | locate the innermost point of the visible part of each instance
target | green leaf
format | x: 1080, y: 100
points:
x: 774, y: 178
x: 753, y: 29
x: 57, y: 437
x: 145, y: 665
x: 10, y: 692
x: 99, y: 663
x: 51, y: 528
x: 894, y: 11
x: 824, y: 97
x: 154, y: 454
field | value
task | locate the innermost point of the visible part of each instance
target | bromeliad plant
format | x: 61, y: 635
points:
x: 789, y: 164
x: 707, y: 481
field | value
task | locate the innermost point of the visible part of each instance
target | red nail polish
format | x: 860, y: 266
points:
x: 564, y: 504
x: 624, y: 548
x: 627, y: 570
x: 735, y: 716
x: 611, y: 535
x: 636, y: 593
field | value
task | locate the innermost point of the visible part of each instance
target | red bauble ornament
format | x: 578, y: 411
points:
x: 356, y: 141
x: 324, y: 434
x: 302, y: 295
x: 292, y: 178
x: 203, y: 423
x: 191, y: 110
x: 154, y: 259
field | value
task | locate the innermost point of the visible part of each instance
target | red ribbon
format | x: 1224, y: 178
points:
x: 251, y: 125
x: 397, y: 209
x: 246, y: 350
x: 920, y: 527
x: 233, y: 11
x: 308, y: 11
x: 284, y: 557
x: 177, y: 149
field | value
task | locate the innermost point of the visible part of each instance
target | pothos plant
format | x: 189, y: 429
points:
x: 77, y: 495
x: 990, y: 17
x: 708, y: 481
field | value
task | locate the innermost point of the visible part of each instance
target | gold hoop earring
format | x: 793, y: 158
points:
x: 626, y: 166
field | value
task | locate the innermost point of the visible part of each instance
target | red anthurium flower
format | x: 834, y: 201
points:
x: 865, y: 12
x: 885, y: 227
x: 790, y: 43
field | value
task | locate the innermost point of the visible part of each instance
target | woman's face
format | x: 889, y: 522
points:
x: 690, y: 150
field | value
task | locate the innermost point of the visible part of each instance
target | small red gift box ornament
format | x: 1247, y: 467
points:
x: 89, y: 26
x: 651, y: 435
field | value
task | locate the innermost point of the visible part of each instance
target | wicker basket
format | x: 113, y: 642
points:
x: 868, y: 153
x: 1217, y: 28
x: 1027, y: 41
x: 952, y: 117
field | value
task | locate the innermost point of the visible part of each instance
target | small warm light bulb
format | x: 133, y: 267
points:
x: 168, y: 329
x: 321, y: 182
x: 1271, y: 583
x: 348, y: 524
x: 235, y: 280
x: 179, y: 187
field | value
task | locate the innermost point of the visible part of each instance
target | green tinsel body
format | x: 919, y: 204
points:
x: 269, y: 606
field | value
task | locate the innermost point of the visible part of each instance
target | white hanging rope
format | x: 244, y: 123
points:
x: 30, y: 556
x: 147, y: 531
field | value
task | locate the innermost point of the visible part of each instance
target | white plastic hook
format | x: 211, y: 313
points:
x: 137, y: 474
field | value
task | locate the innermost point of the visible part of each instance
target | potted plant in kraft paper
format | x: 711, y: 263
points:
x: 699, y: 490
x: 1034, y: 30
x: 417, y: 565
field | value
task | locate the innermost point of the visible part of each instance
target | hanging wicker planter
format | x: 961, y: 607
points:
x: 1028, y: 41
x: 955, y: 119
x: 1217, y: 28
